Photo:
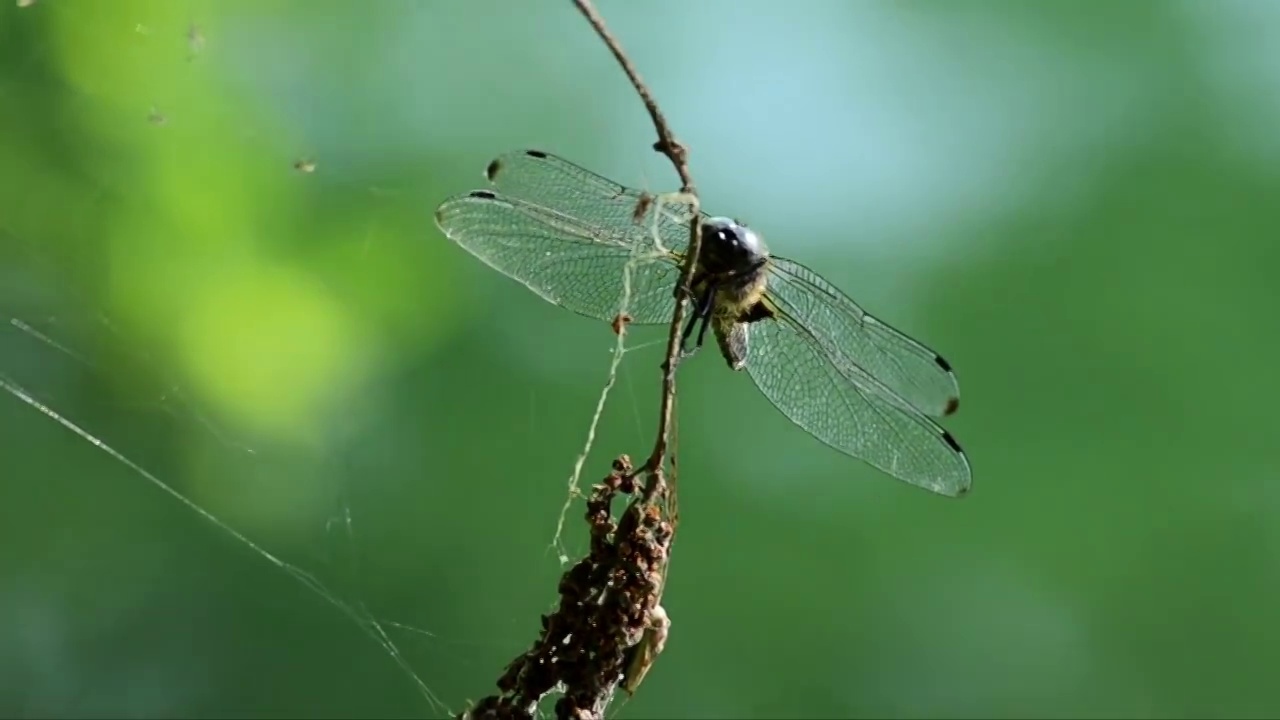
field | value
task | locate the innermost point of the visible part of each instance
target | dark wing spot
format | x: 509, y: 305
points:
x: 491, y: 172
x: 536, y: 153
x: 942, y: 362
x: 483, y: 195
x: 953, y: 404
x: 963, y: 491
x: 949, y: 439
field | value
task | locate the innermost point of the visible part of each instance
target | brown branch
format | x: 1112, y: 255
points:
x: 609, y: 625
x: 667, y: 143
x: 678, y: 154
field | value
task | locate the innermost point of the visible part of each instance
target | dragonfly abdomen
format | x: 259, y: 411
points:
x: 738, y: 303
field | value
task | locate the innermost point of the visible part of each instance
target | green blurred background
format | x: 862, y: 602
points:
x: 217, y: 258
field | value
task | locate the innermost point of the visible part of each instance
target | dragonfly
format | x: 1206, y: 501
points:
x: 607, y: 251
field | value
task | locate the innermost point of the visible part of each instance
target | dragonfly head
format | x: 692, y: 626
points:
x: 729, y: 247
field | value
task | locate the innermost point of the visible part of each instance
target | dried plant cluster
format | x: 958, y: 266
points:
x: 609, y: 625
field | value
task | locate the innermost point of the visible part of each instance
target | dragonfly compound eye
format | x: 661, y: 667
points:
x: 729, y: 246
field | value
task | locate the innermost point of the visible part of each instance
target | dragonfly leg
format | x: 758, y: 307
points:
x: 706, y: 320
x: 701, y: 312
x: 688, y: 330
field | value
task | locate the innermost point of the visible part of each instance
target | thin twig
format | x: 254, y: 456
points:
x: 678, y: 154
x: 609, y: 625
x: 667, y: 143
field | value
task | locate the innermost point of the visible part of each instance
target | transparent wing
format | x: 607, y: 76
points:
x: 795, y: 371
x: 552, y: 182
x: 579, y: 263
x: 877, y: 352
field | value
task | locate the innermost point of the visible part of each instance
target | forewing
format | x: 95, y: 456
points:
x: 552, y: 182
x: 795, y: 372
x: 578, y: 264
x: 906, y: 367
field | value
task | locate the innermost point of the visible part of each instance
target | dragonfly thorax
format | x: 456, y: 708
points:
x: 731, y: 248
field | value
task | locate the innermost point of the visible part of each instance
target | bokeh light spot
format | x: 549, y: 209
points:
x: 269, y: 346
